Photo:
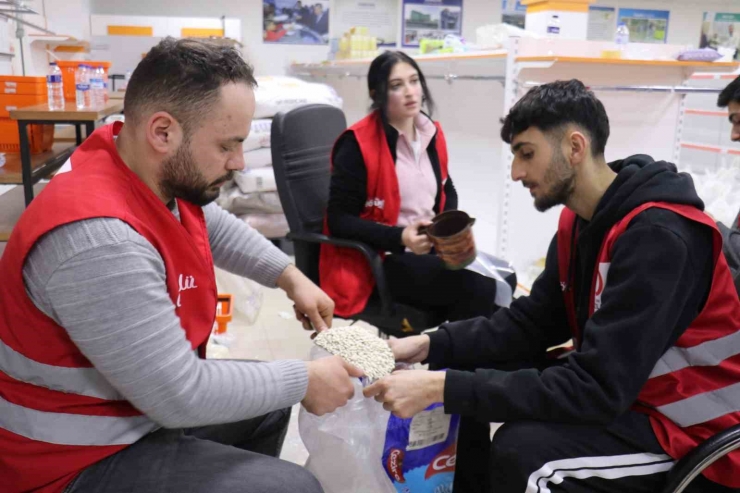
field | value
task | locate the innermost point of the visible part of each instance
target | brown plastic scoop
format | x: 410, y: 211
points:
x: 451, y: 234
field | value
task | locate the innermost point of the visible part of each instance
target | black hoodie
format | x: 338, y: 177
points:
x: 659, y: 279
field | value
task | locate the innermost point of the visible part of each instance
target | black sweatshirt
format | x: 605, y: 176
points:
x: 659, y: 279
x: 348, y: 194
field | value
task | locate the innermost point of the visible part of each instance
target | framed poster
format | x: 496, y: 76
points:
x: 513, y: 13
x: 379, y: 16
x: 430, y: 19
x: 646, y: 26
x: 295, y: 22
x: 721, y: 30
x: 602, y: 23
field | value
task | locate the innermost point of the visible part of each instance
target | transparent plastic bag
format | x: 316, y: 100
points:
x: 487, y: 265
x: 247, y: 294
x: 346, y: 447
x: 362, y: 448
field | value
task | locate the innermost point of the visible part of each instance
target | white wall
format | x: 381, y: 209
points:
x: 268, y: 59
x: 684, y: 25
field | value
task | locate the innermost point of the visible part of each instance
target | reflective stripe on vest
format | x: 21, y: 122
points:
x: 82, y: 381
x: 710, y: 353
x: 703, y: 407
x: 73, y: 429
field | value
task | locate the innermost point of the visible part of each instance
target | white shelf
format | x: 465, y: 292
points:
x: 473, y: 65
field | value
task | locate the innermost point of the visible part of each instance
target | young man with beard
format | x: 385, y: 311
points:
x: 636, y: 278
x: 109, y: 296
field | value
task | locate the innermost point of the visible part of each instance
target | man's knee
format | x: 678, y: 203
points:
x: 514, y: 451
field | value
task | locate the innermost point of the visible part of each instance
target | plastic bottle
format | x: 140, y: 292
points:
x: 106, y: 85
x: 82, y: 87
x: 622, y: 37
x: 126, y: 78
x: 97, y: 87
x: 553, y: 26
x: 54, y: 87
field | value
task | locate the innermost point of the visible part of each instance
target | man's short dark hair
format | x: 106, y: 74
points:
x: 729, y: 94
x: 550, y: 107
x: 183, y: 77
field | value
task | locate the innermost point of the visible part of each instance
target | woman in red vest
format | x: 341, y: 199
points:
x: 389, y: 176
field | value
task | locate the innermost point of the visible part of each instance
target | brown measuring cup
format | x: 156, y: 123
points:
x: 451, y: 233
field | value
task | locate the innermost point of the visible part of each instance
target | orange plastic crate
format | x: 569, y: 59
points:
x: 40, y: 137
x: 22, y: 88
x: 69, y: 67
x: 9, y: 102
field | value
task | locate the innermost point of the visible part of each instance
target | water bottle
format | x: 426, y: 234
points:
x: 106, y: 83
x: 553, y: 27
x: 54, y: 88
x: 126, y: 78
x: 82, y: 87
x: 622, y: 37
x: 97, y: 87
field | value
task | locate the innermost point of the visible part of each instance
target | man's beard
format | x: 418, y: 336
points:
x: 181, y: 179
x: 558, y: 183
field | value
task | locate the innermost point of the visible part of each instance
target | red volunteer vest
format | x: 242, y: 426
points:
x: 687, y: 395
x: 344, y: 273
x: 58, y: 415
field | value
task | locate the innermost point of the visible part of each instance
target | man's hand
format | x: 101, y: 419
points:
x: 329, y: 384
x: 312, y: 305
x: 408, y: 392
x: 420, y: 244
x: 414, y: 349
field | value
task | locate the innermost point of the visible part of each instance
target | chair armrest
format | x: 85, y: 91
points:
x: 372, y: 257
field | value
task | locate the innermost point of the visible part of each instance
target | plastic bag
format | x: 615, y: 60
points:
x: 345, y: 447
x: 258, y: 158
x: 247, y: 294
x: 362, y: 448
x: 277, y: 93
x: 487, y: 265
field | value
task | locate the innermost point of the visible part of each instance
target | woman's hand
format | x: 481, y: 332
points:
x: 417, y: 243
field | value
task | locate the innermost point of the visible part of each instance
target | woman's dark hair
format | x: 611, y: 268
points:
x: 380, y: 71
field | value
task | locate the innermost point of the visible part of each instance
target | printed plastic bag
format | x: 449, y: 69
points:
x: 362, y: 448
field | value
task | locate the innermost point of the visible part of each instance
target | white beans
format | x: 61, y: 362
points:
x: 358, y: 347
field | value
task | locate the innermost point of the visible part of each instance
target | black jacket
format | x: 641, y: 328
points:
x: 731, y: 248
x: 659, y: 279
x: 348, y: 194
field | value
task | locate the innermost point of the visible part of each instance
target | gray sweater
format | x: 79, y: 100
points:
x: 105, y: 284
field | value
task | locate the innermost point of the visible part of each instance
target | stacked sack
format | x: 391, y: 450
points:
x: 252, y: 195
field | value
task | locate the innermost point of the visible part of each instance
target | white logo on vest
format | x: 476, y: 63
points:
x: 376, y: 202
x: 185, y: 283
x: 600, y: 283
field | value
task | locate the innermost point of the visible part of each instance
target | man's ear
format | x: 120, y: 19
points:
x: 163, y: 132
x: 578, y: 147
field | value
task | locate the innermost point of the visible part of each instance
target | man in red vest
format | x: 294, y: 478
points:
x: 635, y: 277
x: 109, y: 297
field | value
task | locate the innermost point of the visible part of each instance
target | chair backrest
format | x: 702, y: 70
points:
x: 302, y: 140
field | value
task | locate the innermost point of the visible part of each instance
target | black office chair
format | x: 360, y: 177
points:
x: 703, y: 456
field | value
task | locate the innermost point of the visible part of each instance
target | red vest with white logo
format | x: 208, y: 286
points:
x: 344, y: 273
x: 691, y: 393
x: 58, y: 415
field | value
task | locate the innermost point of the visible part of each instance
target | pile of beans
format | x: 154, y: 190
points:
x: 358, y: 347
